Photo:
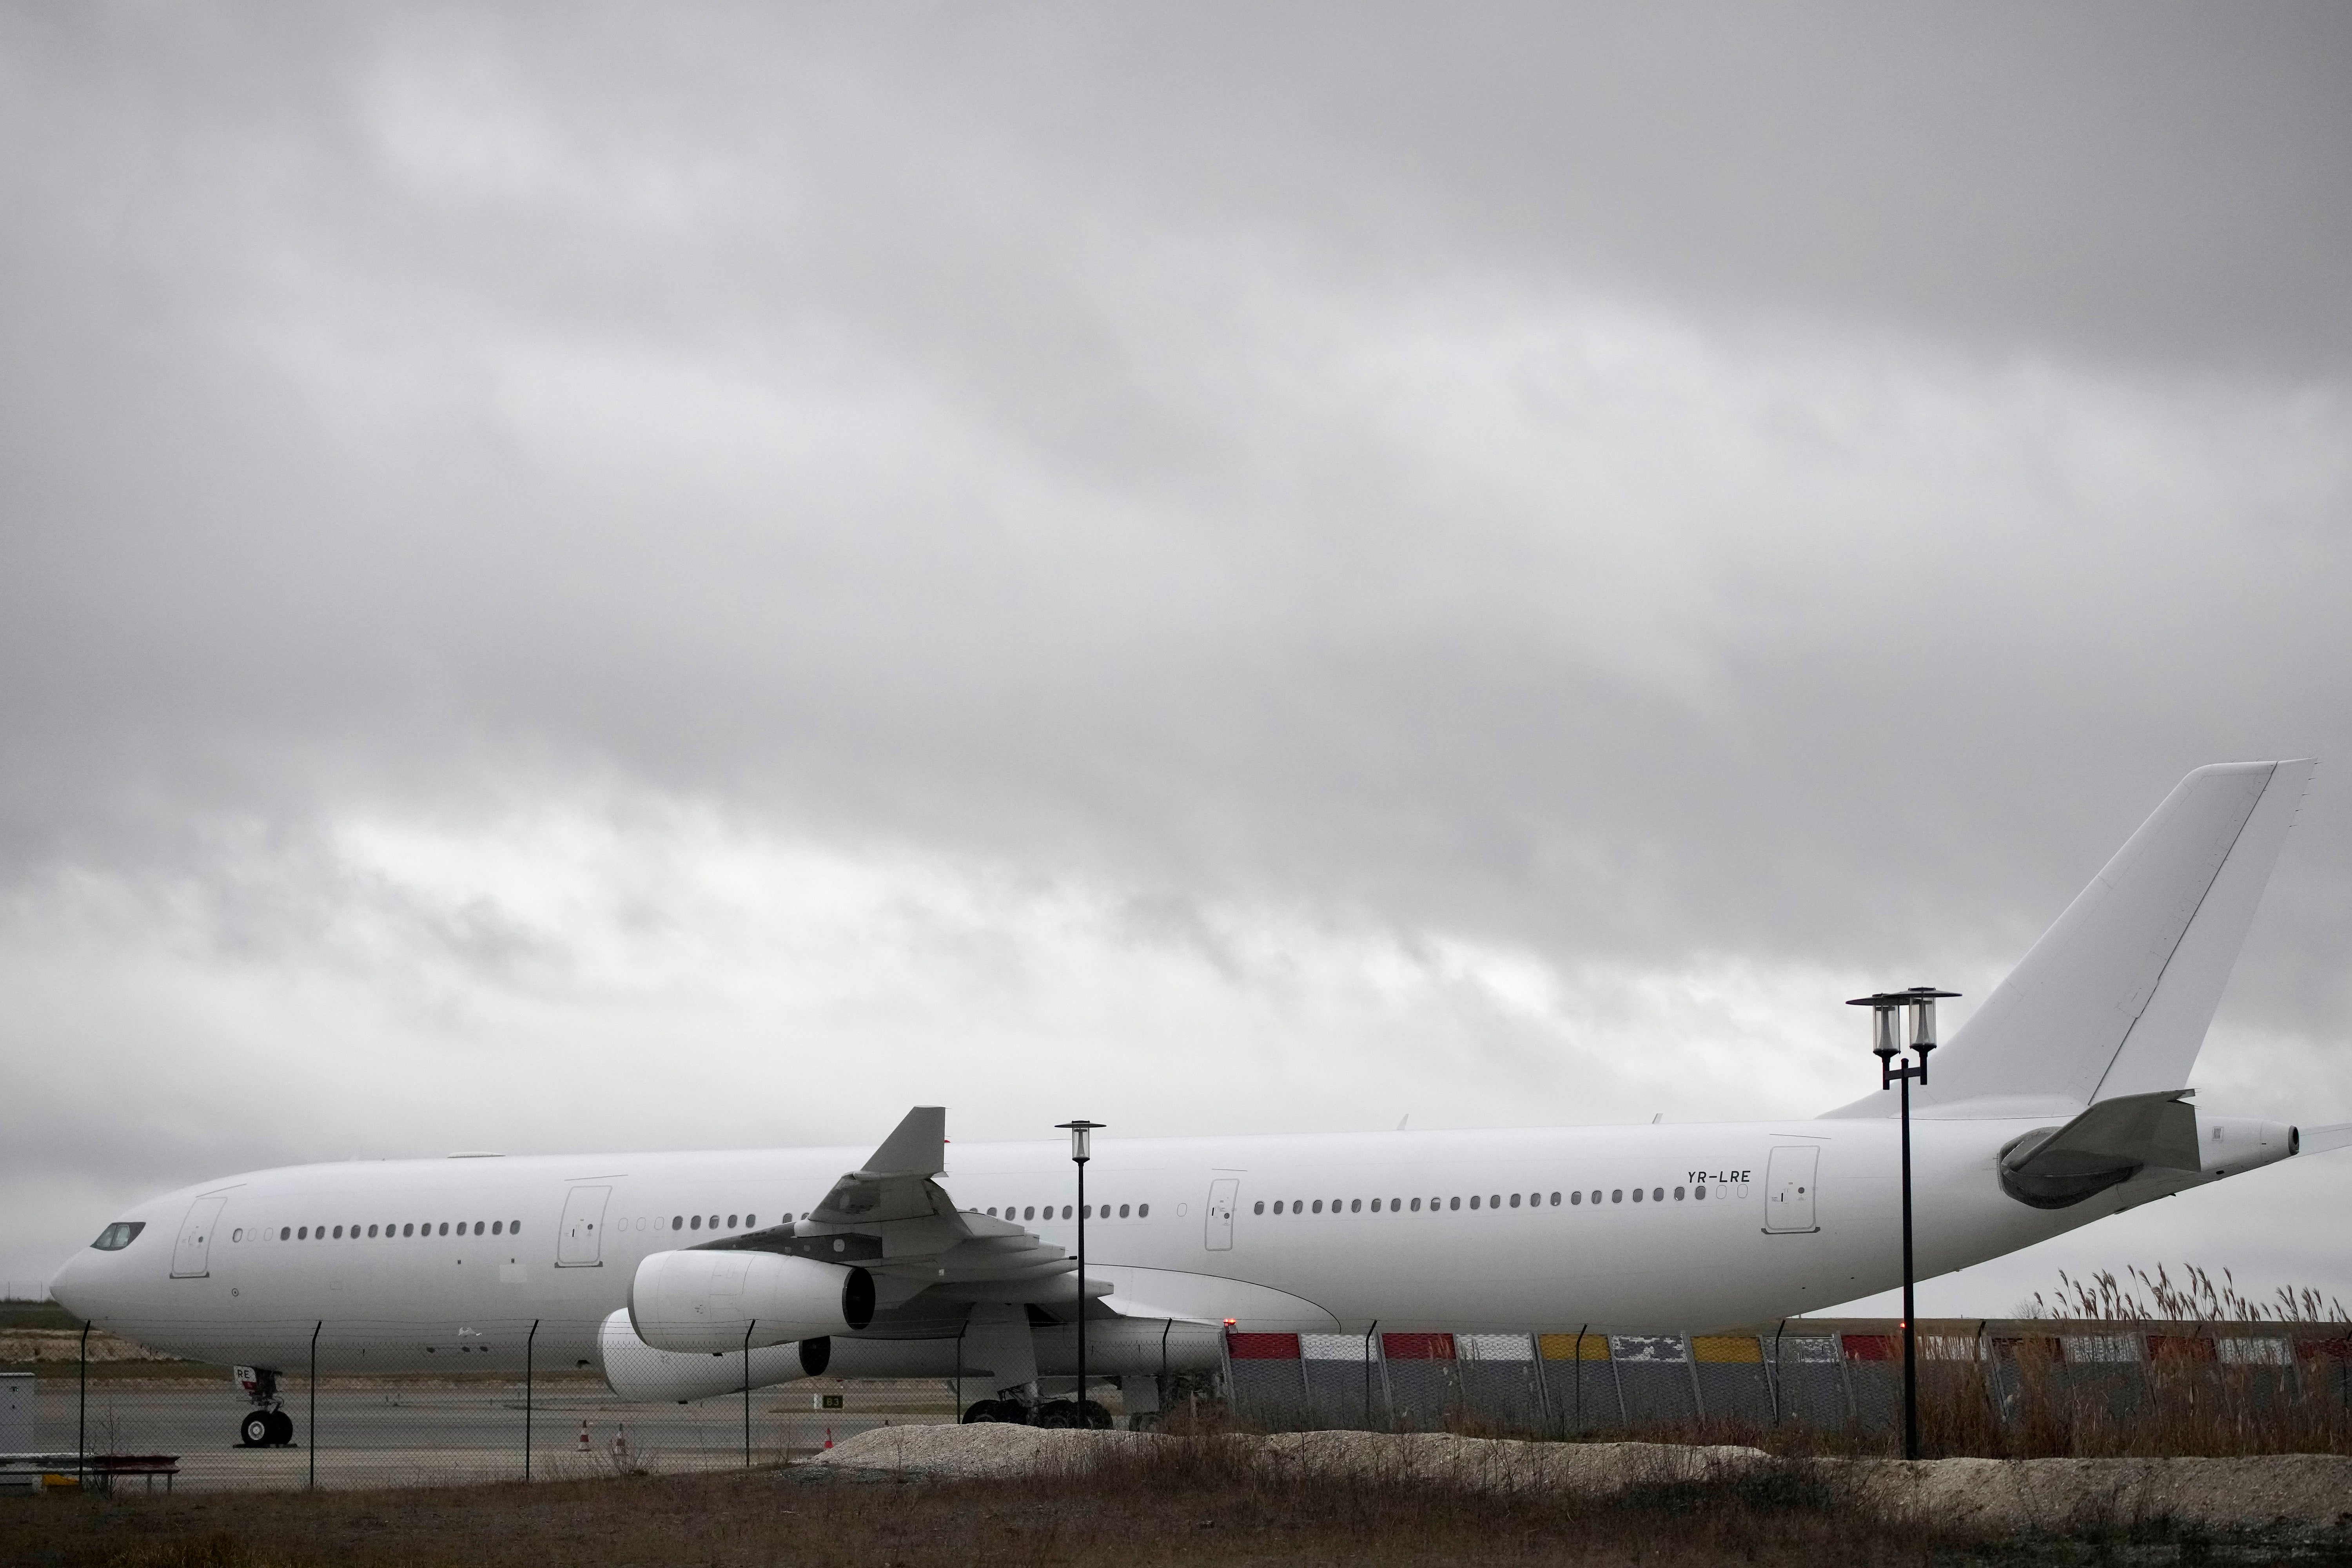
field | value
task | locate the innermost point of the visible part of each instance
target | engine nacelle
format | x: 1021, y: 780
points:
x: 708, y: 1302
x: 637, y: 1372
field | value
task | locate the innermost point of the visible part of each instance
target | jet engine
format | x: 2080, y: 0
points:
x: 638, y: 1372
x: 721, y: 1302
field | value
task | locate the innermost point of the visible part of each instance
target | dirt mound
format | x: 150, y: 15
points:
x: 2296, y: 1493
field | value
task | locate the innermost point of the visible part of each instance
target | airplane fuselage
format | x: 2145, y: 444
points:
x: 422, y: 1264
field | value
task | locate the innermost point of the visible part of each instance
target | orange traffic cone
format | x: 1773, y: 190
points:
x: 584, y: 1435
x: 828, y: 1437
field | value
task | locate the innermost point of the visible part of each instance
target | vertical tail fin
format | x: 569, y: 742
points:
x: 2116, y: 997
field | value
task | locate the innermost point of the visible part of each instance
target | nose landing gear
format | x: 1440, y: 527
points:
x: 265, y: 1425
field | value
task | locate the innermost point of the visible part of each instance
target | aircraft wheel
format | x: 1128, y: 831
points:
x: 257, y: 1429
x: 1059, y: 1412
x: 282, y: 1429
x: 994, y: 1410
x: 1093, y: 1415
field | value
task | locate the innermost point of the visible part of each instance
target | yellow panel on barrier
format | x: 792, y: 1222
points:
x: 1564, y: 1347
x: 1740, y: 1348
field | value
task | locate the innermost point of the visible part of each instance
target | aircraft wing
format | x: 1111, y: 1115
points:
x: 891, y: 1218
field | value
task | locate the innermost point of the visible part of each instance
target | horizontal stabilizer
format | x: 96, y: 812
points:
x: 2320, y: 1140
x: 2106, y: 1146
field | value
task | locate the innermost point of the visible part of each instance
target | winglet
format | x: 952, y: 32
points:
x: 917, y: 1147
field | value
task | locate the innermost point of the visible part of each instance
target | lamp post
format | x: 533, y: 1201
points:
x: 1080, y: 1152
x: 1886, y: 1010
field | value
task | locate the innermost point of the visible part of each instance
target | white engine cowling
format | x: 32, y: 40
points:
x: 706, y: 1301
x: 637, y: 1372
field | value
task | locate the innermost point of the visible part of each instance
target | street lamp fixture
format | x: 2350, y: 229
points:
x: 1081, y: 1151
x: 1887, y: 1009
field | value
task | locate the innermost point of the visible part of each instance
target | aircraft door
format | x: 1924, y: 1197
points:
x: 192, y: 1258
x: 1788, y: 1189
x: 1221, y: 1214
x: 580, y: 1244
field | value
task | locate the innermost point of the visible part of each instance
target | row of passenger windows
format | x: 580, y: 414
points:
x: 319, y: 1232
x: 1490, y: 1200
x: 1094, y: 1211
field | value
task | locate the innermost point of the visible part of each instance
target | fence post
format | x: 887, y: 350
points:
x: 312, y: 1445
x: 746, y: 1390
x: 529, y: 1341
x: 81, y: 1418
x: 1368, y: 1373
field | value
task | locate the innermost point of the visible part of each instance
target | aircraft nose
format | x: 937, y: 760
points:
x: 70, y: 1287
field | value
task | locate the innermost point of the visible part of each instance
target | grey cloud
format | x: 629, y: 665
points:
x: 1630, y: 483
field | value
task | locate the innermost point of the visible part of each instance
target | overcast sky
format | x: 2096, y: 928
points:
x: 696, y: 575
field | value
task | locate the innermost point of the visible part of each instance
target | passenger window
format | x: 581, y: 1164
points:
x: 698, y: 1222
x: 1474, y: 1200
x: 1678, y: 1194
x: 677, y: 1222
x: 371, y: 1232
x: 1575, y: 1197
x: 1416, y: 1206
x: 1555, y: 1200
x: 1698, y: 1195
x: 1065, y: 1211
x: 498, y: 1227
x: 1259, y: 1208
x: 1494, y: 1202
x: 1122, y: 1209
x: 1143, y: 1211
x: 1617, y: 1194
x: 1515, y: 1200
x: 339, y: 1233
x: 1029, y: 1212
x: 444, y: 1227
x: 1596, y: 1195
x: 714, y: 1222
x: 1637, y: 1194
x: 1456, y: 1202
x: 751, y: 1222
x: 731, y: 1222
x: 992, y: 1214
x: 1658, y: 1194
x: 408, y: 1230
x: 1319, y: 1206
x: 285, y: 1233
x: 1355, y: 1205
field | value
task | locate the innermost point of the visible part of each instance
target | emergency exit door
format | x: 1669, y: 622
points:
x: 580, y: 1244
x: 1219, y: 1237
x: 1788, y: 1189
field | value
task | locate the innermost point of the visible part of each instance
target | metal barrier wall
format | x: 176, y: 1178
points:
x: 1833, y: 1377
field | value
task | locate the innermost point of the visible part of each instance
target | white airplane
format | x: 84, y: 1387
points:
x: 685, y: 1276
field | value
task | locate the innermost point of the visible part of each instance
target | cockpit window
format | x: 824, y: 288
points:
x: 118, y: 1235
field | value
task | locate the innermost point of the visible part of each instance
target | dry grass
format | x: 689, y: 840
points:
x: 1196, y: 1504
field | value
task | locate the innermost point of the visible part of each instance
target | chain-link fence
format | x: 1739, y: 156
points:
x: 524, y: 1399
x: 537, y: 1400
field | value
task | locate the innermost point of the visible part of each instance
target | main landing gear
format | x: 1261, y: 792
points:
x: 265, y: 1425
x: 1068, y: 1413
